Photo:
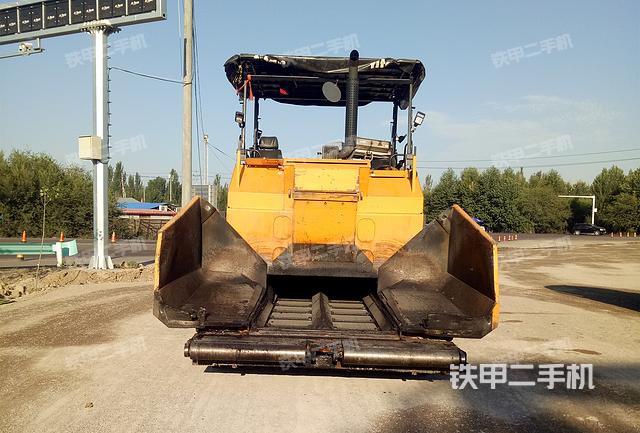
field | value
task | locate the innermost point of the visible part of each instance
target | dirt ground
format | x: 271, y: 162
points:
x: 18, y: 282
x: 93, y: 358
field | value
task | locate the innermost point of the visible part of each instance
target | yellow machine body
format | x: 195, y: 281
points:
x: 278, y: 204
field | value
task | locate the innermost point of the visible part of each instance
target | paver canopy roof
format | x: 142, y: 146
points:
x: 299, y: 79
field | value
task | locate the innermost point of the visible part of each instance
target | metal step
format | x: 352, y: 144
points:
x: 291, y: 313
x: 320, y: 312
x: 351, y: 315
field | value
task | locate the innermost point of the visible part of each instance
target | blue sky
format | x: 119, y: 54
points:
x: 572, y: 84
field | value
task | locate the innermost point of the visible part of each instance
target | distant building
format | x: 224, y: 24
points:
x: 145, y: 219
x: 207, y: 192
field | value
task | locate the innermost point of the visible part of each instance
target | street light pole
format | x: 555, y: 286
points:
x: 101, y: 258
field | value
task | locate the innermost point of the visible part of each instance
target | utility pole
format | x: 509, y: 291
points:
x: 187, y: 94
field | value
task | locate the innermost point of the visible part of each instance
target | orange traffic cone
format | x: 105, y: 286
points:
x: 61, y: 237
x: 113, y: 237
x: 23, y: 239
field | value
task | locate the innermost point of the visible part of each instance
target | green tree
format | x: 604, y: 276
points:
x: 543, y: 210
x: 72, y: 210
x: 25, y: 175
x: 222, y: 192
x: 580, y: 207
x: 135, y: 187
x: 156, y: 191
x: 428, y: 184
x: 580, y: 188
x: 551, y: 179
x: 632, y: 182
x: 498, y: 200
x: 175, y: 187
x: 117, y: 180
x: 70, y: 196
x: 443, y: 195
x: 622, y: 213
x: 605, y: 187
x: 467, y: 190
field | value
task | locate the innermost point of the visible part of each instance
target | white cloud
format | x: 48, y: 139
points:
x: 508, y: 126
x: 487, y: 133
x: 532, y: 119
x: 553, y: 107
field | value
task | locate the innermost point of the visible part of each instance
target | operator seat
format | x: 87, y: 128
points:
x: 268, y: 148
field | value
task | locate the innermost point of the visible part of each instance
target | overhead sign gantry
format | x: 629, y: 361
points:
x: 43, y: 19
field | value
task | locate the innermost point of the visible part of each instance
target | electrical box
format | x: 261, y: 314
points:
x: 90, y: 147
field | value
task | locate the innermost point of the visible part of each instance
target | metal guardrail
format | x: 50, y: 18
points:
x: 60, y: 249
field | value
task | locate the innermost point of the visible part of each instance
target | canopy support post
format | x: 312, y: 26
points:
x: 256, y: 113
x: 409, y: 146
x: 244, y: 116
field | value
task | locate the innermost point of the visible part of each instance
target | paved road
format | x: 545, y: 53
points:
x: 138, y: 250
x: 93, y: 358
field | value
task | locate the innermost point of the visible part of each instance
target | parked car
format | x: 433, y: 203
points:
x: 588, y: 229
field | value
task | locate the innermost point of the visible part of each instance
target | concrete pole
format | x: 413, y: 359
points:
x: 187, y: 95
x: 101, y: 259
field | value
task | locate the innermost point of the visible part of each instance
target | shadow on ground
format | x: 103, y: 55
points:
x: 296, y: 371
x: 619, y: 298
x: 610, y: 406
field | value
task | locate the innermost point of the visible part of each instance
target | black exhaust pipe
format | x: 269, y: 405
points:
x: 351, y: 116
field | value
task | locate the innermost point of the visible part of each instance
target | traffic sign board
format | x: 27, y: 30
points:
x: 43, y: 19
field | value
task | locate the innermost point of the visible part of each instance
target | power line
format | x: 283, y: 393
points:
x: 537, y: 166
x: 222, y: 163
x: 221, y: 151
x: 540, y: 157
x: 139, y: 74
